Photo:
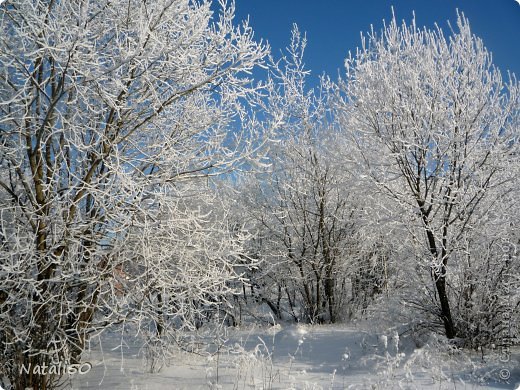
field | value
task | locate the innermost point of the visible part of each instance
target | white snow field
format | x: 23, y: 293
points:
x: 306, y: 357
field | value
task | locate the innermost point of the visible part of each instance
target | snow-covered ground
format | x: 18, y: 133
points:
x: 306, y: 357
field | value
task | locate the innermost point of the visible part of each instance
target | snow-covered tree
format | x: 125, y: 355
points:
x: 111, y: 114
x: 304, y: 207
x: 436, y: 131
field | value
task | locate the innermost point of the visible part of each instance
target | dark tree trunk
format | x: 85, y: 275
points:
x: 440, y: 277
x: 449, y: 328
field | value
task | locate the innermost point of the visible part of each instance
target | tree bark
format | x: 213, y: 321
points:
x: 440, y: 278
x: 449, y: 328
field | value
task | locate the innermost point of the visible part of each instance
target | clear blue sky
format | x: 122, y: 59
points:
x: 333, y: 26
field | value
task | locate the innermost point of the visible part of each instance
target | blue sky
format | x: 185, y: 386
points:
x: 333, y: 26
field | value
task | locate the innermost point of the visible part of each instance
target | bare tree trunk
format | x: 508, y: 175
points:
x: 440, y: 280
x: 449, y: 328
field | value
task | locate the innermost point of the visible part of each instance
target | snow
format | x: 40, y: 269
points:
x: 304, y: 357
